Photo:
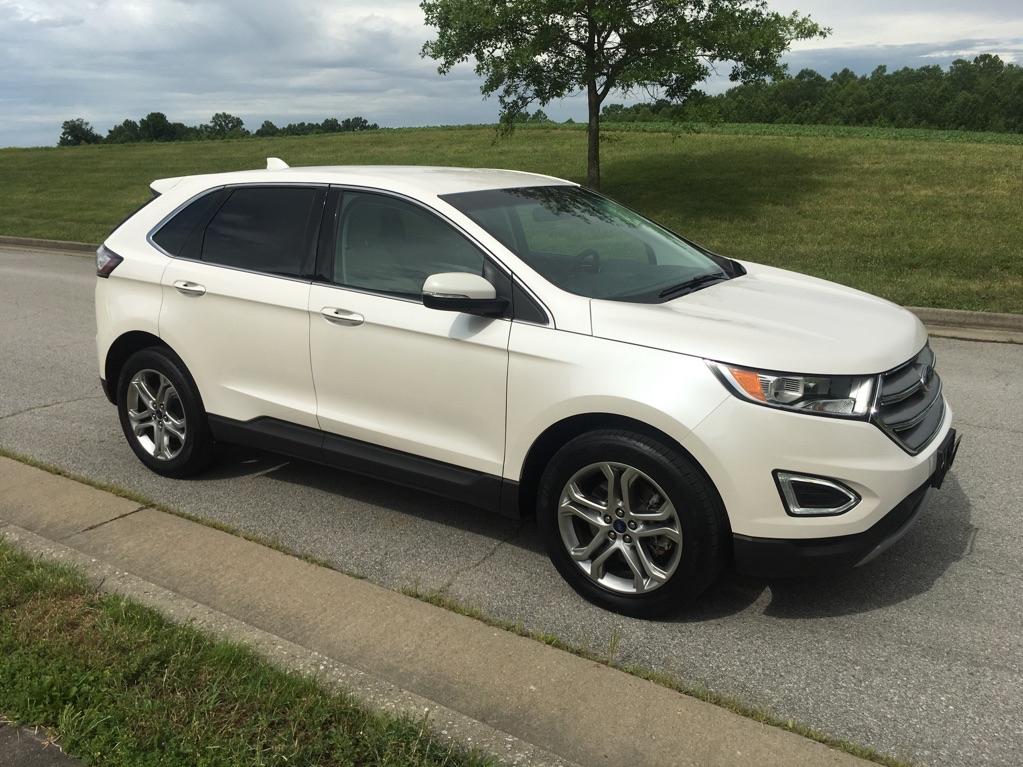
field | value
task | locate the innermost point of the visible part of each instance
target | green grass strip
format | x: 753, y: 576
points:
x: 120, y: 685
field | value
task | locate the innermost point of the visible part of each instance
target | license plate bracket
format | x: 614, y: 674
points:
x: 946, y: 455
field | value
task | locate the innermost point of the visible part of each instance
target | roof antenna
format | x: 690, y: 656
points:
x: 276, y: 163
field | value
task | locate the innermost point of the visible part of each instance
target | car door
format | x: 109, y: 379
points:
x: 416, y: 382
x: 235, y: 302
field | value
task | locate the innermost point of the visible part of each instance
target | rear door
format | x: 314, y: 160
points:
x: 235, y: 300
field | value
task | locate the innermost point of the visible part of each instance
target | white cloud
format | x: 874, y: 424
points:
x: 876, y: 22
x: 106, y: 60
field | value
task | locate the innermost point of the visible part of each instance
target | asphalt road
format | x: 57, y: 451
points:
x: 919, y: 654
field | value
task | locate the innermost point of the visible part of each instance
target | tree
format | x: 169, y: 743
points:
x: 357, y: 123
x: 155, y: 127
x: 77, y: 131
x: 224, y: 125
x: 267, y: 129
x: 125, y: 133
x: 539, y: 50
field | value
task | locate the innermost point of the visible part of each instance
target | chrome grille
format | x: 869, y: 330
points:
x: 909, y: 406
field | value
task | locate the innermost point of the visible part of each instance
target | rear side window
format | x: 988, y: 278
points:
x: 264, y: 229
x: 182, y: 235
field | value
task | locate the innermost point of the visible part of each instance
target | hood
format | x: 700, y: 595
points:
x: 772, y: 319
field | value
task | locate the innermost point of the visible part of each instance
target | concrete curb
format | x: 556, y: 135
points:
x: 545, y: 702
x: 983, y: 335
x: 957, y: 318
x: 34, y: 243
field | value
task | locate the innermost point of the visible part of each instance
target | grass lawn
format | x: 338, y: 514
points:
x: 121, y: 686
x: 927, y: 218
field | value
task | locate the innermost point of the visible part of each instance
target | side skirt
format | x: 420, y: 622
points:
x: 475, y: 488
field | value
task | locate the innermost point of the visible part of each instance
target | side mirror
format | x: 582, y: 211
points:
x: 463, y: 292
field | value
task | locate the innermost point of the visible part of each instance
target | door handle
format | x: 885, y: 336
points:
x: 189, y: 288
x: 341, y: 316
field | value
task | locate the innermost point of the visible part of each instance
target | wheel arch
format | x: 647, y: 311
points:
x: 126, y: 345
x: 560, y: 433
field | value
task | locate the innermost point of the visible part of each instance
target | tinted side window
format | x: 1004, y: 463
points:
x: 264, y: 229
x: 391, y: 246
x: 182, y: 235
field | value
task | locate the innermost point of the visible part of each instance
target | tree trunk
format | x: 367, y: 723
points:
x: 593, y: 136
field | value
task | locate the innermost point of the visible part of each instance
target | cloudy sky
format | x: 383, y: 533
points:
x: 288, y: 60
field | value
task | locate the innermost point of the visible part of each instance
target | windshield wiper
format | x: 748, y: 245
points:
x: 693, y: 284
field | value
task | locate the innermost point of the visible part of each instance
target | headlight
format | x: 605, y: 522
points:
x: 826, y: 395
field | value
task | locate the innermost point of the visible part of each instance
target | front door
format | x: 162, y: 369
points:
x: 388, y: 371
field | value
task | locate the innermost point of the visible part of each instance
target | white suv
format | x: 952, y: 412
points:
x: 524, y: 345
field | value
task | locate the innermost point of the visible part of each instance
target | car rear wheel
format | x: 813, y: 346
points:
x: 162, y: 415
x: 631, y: 524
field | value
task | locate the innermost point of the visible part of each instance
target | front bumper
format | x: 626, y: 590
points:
x: 741, y: 444
x: 779, y: 558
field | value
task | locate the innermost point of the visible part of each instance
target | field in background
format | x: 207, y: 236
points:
x: 926, y: 218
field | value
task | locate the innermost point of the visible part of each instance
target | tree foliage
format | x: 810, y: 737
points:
x: 267, y: 129
x: 984, y: 94
x: 330, y: 125
x: 530, y: 51
x: 155, y: 126
x: 224, y: 125
x: 125, y: 133
x: 77, y: 131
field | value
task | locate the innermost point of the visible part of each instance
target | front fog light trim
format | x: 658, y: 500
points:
x: 787, y: 482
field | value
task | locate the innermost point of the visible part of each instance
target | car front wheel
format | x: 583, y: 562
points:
x: 631, y: 524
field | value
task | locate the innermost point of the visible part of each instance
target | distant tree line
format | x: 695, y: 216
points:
x: 539, y: 116
x: 985, y: 94
x: 156, y: 127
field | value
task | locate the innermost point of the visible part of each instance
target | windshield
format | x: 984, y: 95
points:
x: 589, y: 245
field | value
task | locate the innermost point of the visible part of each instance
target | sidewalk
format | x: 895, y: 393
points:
x: 516, y: 698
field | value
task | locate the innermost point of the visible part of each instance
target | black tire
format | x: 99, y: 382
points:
x: 196, y: 450
x: 703, y: 523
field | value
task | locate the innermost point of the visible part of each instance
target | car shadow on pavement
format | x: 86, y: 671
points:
x: 239, y: 462
x: 941, y: 536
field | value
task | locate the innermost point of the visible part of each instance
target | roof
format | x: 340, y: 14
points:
x: 417, y: 180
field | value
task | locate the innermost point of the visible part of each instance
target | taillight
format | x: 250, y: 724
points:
x: 106, y: 261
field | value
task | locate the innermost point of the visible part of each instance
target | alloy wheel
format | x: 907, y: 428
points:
x: 156, y: 415
x: 620, y: 528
